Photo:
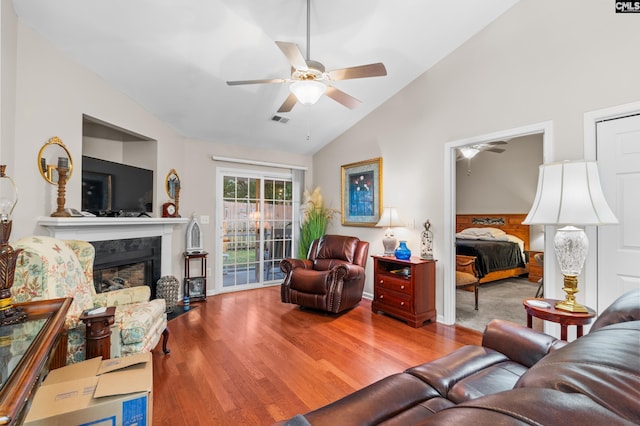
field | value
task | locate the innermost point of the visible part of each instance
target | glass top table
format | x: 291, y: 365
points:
x: 25, y: 351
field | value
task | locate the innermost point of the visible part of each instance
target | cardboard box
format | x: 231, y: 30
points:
x: 98, y: 393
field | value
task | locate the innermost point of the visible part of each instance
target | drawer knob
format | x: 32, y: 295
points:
x: 382, y: 296
x: 401, y: 303
x: 402, y: 287
x: 381, y: 281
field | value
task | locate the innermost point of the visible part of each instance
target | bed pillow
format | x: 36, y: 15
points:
x: 482, y: 232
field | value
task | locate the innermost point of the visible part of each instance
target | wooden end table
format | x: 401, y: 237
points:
x: 564, y: 318
x: 98, y: 333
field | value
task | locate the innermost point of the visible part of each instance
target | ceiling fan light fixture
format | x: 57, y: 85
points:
x: 308, y: 92
x: 469, y: 151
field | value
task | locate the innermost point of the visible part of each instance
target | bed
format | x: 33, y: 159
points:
x: 498, y: 241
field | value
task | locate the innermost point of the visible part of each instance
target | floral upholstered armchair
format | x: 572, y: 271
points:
x: 49, y: 268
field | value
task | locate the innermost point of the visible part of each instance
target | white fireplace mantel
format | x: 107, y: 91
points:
x: 116, y: 228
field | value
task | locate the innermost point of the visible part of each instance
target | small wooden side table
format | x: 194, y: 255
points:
x: 98, y: 333
x: 564, y: 318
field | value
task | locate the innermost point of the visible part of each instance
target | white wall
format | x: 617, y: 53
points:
x: 8, y: 53
x: 542, y: 60
x: 199, y: 177
x: 52, y: 94
x: 500, y: 183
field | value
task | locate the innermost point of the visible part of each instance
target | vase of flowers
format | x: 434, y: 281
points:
x: 315, y: 219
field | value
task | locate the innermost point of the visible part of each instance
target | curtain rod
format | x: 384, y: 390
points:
x: 257, y: 163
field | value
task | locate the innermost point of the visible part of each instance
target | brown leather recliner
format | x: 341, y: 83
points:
x: 331, y: 278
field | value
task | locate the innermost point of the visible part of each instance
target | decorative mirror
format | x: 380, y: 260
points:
x: 52, y: 155
x: 172, y: 184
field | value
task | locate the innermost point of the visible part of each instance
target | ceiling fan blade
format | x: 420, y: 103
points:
x: 498, y: 150
x: 342, y: 98
x: 496, y: 143
x: 293, y: 54
x: 288, y: 103
x: 362, y: 71
x: 239, y: 82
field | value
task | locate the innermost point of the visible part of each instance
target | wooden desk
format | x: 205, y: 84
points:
x: 564, y: 318
x: 40, y: 333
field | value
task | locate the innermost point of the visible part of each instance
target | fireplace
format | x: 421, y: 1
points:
x: 101, y: 229
x: 127, y: 263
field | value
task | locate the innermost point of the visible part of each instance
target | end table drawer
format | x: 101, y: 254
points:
x: 396, y: 284
x: 393, y: 299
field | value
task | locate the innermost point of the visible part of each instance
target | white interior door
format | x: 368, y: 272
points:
x: 618, y: 154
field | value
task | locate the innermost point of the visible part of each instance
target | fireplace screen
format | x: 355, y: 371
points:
x: 127, y: 263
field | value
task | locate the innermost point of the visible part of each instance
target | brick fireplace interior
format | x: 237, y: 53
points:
x: 127, y: 263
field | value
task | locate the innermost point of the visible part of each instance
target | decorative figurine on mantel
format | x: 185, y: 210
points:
x: 426, y: 242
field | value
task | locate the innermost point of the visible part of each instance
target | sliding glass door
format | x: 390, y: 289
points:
x: 255, y: 223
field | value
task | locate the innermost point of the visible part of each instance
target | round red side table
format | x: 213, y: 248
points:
x: 545, y: 310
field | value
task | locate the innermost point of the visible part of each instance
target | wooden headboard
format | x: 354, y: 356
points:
x: 509, y: 223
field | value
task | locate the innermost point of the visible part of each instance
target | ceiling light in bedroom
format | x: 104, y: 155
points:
x: 469, y: 152
x: 569, y: 193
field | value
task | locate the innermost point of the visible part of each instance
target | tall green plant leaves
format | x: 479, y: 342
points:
x: 315, y: 221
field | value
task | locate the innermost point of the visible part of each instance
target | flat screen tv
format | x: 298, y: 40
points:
x: 110, y: 188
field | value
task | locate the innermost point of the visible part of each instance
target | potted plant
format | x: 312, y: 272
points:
x: 314, y: 221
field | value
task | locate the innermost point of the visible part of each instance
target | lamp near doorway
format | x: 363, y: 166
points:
x: 389, y: 218
x: 569, y: 193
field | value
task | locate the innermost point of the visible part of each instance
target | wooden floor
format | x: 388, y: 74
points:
x: 248, y: 359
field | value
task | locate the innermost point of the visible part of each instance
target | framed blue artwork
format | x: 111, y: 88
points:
x: 362, y: 193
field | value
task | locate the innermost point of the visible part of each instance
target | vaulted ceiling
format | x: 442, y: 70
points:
x: 174, y: 57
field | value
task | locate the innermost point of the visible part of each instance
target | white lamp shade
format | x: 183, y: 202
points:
x: 569, y: 193
x: 389, y: 218
x: 308, y: 92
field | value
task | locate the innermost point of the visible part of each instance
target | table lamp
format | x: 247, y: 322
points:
x: 389, y: 218
x: 569, y: 193
x: 8, y: 256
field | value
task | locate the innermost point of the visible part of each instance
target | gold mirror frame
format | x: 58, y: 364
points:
x: 47, y: 170
x: 169, y: 184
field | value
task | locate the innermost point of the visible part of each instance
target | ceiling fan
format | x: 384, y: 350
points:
x: 471, y: 151
x: 309, y: 80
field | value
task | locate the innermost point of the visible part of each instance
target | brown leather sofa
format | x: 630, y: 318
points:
x: 331, y: 278
x: 517, y: 377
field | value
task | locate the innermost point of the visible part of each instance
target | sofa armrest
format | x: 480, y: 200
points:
x: 289, y: 264
x: 348, y: 271
x: 123, y: 296
x: 521, y: 344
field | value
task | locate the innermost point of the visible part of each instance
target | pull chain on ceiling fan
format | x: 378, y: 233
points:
x: 470, y: 151
x: 309, y: 80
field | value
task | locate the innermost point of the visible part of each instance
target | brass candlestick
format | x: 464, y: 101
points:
x: 177, y: 200
x: 63, y: 169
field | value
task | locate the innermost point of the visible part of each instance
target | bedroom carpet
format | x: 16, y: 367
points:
x: 499, y: 299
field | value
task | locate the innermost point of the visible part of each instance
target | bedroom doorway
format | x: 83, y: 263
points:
x: 543, y: 132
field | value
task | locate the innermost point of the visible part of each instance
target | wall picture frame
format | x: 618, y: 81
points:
x: 361, y: 192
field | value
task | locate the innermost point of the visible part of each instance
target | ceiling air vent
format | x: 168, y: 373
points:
x: 279, y: 119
